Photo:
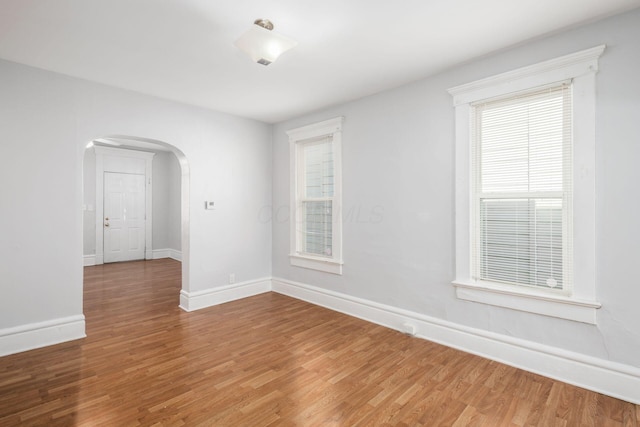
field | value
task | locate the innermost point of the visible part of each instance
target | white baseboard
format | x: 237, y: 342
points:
x: 41, y: 334
x: 175, y: 254
x: 160, y: 253
x: 167, y: 253
x: 599, y: 375
x: 90, y: 260
x: 190, y: 301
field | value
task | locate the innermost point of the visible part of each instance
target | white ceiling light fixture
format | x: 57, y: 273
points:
x: 262, y: 44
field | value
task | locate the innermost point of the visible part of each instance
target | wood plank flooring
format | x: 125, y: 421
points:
x: 268, y: 360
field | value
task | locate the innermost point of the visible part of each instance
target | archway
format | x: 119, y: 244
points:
x: 152, y: 145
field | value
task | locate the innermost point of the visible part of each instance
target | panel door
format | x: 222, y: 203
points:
x: 124, y: 217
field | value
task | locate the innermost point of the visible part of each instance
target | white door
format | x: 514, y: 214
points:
x: 124, y: 217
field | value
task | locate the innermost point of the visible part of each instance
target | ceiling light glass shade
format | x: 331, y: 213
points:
x: 264, y: 46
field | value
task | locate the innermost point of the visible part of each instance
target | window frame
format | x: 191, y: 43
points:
x: 299, y: 137
x: 580, y: 304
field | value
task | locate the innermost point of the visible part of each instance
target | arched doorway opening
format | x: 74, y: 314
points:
x: 94, y: 171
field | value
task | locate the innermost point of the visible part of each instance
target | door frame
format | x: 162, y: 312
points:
x: 130, y: 161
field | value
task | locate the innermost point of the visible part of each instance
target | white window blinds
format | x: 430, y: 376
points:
x: 522, y: 182
x: 316, y: 196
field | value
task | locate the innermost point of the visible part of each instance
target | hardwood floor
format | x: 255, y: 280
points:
x: 267, y: 360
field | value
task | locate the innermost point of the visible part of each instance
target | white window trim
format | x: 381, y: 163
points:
x: 581, y: 304
x: 333, y: 128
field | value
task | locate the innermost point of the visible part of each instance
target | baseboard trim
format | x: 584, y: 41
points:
x: 175, y: 254
x: 89, y: 260
x: 613, y: 379
x: 190, y: 301
x: 41, y: 334
x: 167, y: 253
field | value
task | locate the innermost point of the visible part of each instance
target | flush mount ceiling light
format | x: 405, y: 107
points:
x: 262, y: 44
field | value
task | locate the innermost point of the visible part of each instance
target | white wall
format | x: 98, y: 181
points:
x: 174, y: 236
x: 166, y: 201
x: 47, y: 119
x: 89, y: 202
x: 398, y: 169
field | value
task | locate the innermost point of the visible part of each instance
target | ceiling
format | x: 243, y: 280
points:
x: 183, y: 49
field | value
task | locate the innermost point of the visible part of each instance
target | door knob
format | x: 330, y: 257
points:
x: 106, y: 224
x: 106, y: 219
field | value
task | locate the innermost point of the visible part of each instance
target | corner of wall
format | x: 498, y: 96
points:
x: 190, y: 301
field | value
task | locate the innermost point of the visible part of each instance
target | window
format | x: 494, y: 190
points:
x: 525, y: 202
x: 521, y: 170
x: 316, y: 233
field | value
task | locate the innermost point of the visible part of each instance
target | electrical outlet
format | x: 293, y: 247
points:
x: 232, y: 278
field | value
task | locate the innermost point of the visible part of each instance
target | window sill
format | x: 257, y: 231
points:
x: 529, y: 300
x: 313, y: 263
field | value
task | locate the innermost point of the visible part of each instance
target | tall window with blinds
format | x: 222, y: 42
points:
x: 522, y: 189
x: 316, y: 196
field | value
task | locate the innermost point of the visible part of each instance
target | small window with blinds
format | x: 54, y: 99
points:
x: 316, y: 225
x: 522, y: 189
